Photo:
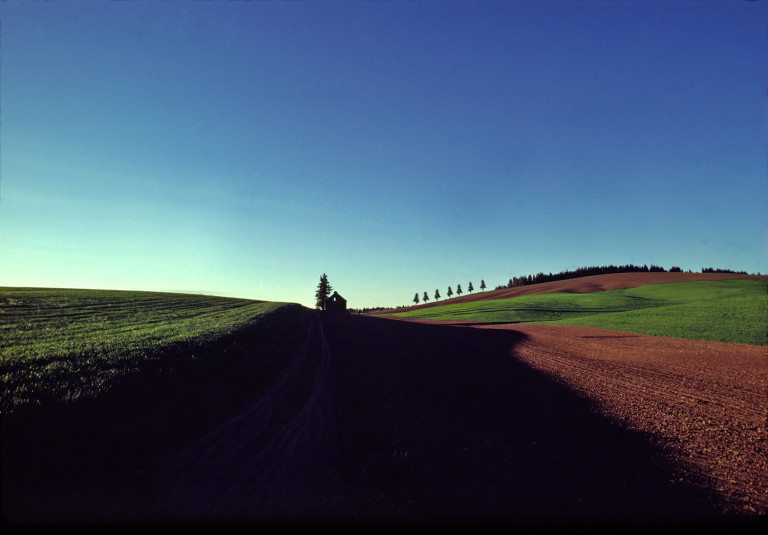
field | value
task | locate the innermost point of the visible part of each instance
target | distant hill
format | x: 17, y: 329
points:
x: 593, y: 283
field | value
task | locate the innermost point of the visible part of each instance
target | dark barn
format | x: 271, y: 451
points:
x: 336, y: 302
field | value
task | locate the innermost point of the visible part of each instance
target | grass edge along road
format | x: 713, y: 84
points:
x: 59, y: 345
x: 733, y: 311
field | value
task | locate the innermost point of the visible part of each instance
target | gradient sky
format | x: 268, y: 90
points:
x: 246, y: 148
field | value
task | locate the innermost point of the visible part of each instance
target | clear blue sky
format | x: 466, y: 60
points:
x: 246, y: 148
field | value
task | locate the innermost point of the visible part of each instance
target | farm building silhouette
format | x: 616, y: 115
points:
x: 336, y: 302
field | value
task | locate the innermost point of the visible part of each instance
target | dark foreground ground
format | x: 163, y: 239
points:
x: 380, y: 421
x: 486, y: 437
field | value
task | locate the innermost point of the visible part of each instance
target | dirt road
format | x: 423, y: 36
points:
x: 377, y: 420
x: 265, y: 462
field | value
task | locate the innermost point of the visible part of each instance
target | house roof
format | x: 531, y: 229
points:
x: 336, y: 294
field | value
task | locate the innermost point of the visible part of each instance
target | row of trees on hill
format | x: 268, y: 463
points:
x: 324, y: 288
x: 449, y: 293
x: 599, y: 270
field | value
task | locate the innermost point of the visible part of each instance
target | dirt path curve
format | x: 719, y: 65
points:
x: 265, y: 462
x: 706, y: 402
x: 395, y: 421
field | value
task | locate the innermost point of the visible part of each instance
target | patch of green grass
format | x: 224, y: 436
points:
x: 535, y: 308
x: 733, y: 311
x: 61, y: 344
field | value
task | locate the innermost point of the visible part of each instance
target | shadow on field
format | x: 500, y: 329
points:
x: 441, y: 423
x: 428, y: 423
x: 168, y: 401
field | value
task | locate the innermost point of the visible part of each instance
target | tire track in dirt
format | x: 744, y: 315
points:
x: 706, y: 402
x: 261, y: 463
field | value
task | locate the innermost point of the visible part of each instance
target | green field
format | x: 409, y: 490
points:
x: 62, y: 344
x: 725, y: 311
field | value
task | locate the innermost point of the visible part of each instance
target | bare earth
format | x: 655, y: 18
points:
x: 705, y: 402
x: 376, y: 420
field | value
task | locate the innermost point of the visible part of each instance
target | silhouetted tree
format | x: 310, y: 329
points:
x: 426, y: 297
x: 322, y: 293
x: 458, y: 289
x: 416, y: 298
x: 482, y: 285
x: 437, y: 295
x: 470, y: 288
x: 450, y: 292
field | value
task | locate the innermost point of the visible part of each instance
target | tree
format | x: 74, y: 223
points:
x: 426, y: 297
x: 450, y: 292
x: 482, y: 285
x: 322, y: 293
x: 437, y: 295
x: 470, y: 288
x: 416, y: 298
x: 458, y: 289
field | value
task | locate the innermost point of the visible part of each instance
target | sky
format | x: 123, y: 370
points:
x: 246, y: 148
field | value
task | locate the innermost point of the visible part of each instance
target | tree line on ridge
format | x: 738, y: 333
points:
x: 599, y: 270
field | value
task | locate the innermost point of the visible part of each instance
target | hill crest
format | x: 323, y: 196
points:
x: 590, y: 283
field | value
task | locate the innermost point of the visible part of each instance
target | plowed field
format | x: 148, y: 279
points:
x: 704, y: 402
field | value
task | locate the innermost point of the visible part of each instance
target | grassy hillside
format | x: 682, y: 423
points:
x: 57, y: 345
x: 727, y: 311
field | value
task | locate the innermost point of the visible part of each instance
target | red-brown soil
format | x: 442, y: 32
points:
x: 375, y: 420
x: 706, y: 403
x: 593, y: 283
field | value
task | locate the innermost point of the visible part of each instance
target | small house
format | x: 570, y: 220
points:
x: 336, y: 302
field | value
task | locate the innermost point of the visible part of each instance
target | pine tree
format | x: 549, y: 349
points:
x: 450, y: 292
x: 322, y: 293
x: 458, y: 289
x: 416, y: 298
x: 469, y: 288
x: 426, y: 297
x: 437, y: 295
x: 482, y: 285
